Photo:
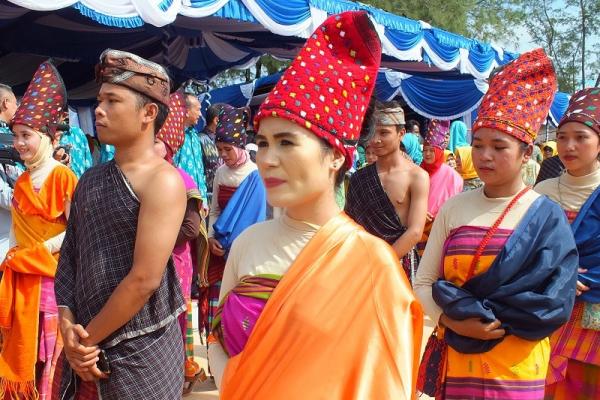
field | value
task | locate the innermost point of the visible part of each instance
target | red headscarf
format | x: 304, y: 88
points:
x: 437, y: 138
x: 437, y: 162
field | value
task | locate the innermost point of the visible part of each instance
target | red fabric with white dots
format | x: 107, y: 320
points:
x: 519, y: 97
x: 172, y: 132
x: 327, y: 88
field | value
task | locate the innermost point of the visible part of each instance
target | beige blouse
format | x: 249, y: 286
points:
x: 471, y: 208
x: 268, y: 247
x: 569, y: 191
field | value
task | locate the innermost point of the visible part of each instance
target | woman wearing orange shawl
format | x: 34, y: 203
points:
x: 312, y: 306
x: 28, y: 312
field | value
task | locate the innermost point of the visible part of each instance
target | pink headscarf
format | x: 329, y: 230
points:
x: 242, y: 156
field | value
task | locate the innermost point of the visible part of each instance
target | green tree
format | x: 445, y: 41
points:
x: 266, y: 65
x: 563, y: 29
x: 480, y: 19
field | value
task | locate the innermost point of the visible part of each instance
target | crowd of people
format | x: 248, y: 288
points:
x: 314, y: 251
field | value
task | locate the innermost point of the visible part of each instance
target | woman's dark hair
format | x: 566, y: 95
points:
x: 366, y: 133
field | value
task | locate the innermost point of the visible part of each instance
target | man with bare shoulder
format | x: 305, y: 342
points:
x: 389, y: 198
x: 116, y: 285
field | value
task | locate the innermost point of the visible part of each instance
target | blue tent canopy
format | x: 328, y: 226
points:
x: 200, y: 38
x: 431, y: 98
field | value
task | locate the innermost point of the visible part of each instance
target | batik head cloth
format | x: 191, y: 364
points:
x: 519, y: 97
x: 134, y: 72
x: 327, y: 88
x: 438, y: 133
x: 584, y: 107
x: 44, y: 102
x: 390, y: 116
x: 172, y: 133
x: 231, y: 127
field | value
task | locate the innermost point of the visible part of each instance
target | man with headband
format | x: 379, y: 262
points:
x: 116, y: 284
x: 389, y: 198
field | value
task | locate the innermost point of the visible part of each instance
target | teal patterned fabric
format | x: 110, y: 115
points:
x: 4, y: 128
x: 212, y: 161
x: 81, y: 157
x: 189, y: 159
x: 107, y: 153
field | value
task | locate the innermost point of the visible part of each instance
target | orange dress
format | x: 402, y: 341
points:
x: 343, y: 323
x: 37, y: 217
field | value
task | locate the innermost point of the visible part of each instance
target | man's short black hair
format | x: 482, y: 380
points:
x: 411, y: 123
x: 163, y: 110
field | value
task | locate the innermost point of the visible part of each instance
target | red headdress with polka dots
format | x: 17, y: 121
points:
x: 44, y: 101
x: 327, y: 88
x: 519, y: 97
x: 172, y: 132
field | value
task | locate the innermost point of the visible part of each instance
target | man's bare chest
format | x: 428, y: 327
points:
x: 396, y: 187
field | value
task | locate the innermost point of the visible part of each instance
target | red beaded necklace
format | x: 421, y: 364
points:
x: 491, y: 232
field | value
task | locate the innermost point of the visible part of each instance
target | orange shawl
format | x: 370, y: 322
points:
x: 36, y: 218
x: 343, y: 323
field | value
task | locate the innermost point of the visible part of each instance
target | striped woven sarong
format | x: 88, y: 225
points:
x: 573, y: 343
x: 240, y: 309
x: 574, y: 371
x: 582, y: 382
x: 50, y: 347
x: 515, y: 368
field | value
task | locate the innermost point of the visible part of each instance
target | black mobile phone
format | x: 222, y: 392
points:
x: 103, y: 364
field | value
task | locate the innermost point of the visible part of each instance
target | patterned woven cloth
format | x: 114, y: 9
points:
x: 96, y: 255
x: 134, y: 72
x: 44, y: 100
x: 584, y: 107
x: 519, y: 97
x: 101, y: 230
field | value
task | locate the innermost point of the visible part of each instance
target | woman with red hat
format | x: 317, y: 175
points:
x: 41, y: 202
x: 575, y: 360
x: 508, y: 260
x: 312, y: 305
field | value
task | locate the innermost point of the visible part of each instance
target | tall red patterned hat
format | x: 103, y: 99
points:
x: 328, y: 86
x: 584, y: 108
x: 438, y: 134
x: 172, y: 133
x: 519, y: 97
x: 44, y: 101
